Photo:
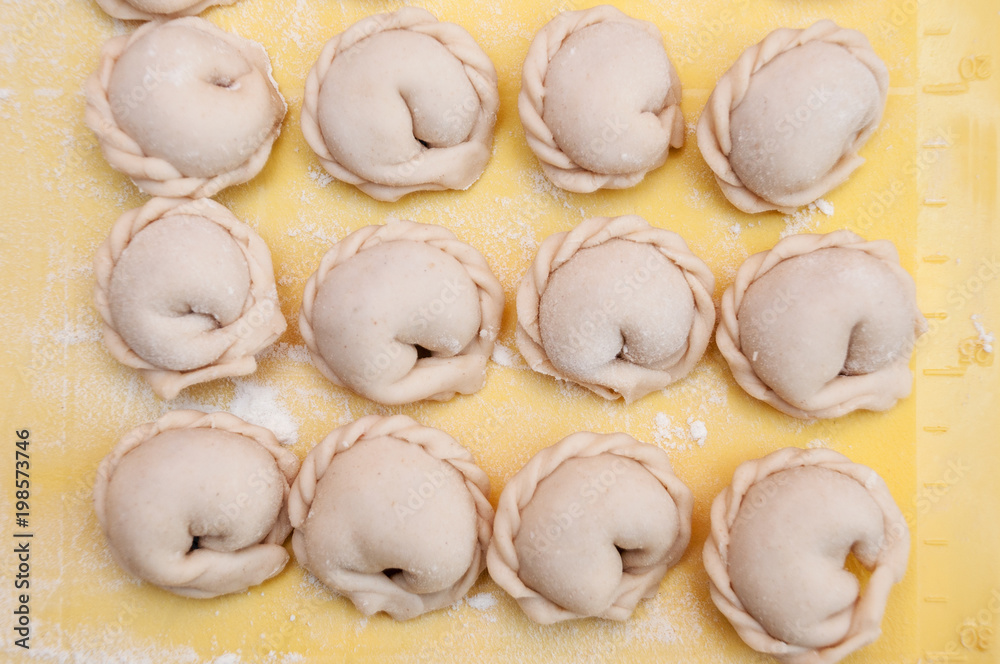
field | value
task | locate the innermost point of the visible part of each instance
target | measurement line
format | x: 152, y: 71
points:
x: 936, y: 542
x: 936, y: 258
x: 936, y: 315
x: 936, y: 429
x: 935, y: 202
x: 949, y: 371
x: 937, y: 32
x: 947, y: 88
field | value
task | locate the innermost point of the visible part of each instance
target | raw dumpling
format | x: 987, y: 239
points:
x: 195, y: 503
x: 186, y: 292
x: 589, y: 527
x: 775, y: 555
x: 600, y: 100
x: 785, y: 123
x: 393, y: 514
x: 402, y: 312
x: 157, y: 9
x: 822, y: 325
x: 183, y: 108
x: 617, y: 306
x: 401, y: 102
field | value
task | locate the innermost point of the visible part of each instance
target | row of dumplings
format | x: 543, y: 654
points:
x: 402, y: 102
x: 818, y: 326
x: 396, y: 517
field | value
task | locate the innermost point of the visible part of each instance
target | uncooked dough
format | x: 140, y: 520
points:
x: 183, y: 108
x: 401, y: 313
x: 393, y: 514
x: 195, y: 503
x: 589, y: 527
x: 146, y: 10
x: 784, y: 125
x: 775, y: 556
x: 600, y: 100
x: 617, y: 306
x: 402, y: 102
x: 186, y: 292
x: 822, y: 325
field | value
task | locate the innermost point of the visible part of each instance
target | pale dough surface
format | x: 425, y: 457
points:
x: 184, y: 108
x: 401, y: 313
x: 822, y: 325
x: 196, y: 503
x: 785, y: 123
x: 402, y: 102
x: 775, y: 556
x: 599, y: 100
x: 617, y: 306
x: 588, y: 527
x: 146, y: 10
x: 186, y: 292
x: 393, y: 514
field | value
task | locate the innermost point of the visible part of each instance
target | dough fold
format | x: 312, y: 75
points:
x: 834, y: 336
x: 402, y: 313
x: 196, y: 503
x: 605, y: 518
x: 402, y: 102
x: 626, y: 310
x: 181, y: 317
x: 147, y: 10
x: 791, y: 518
x: 184, y: 108
x: 632, y: 95
x: 812, y: 99
x: 392, y: 514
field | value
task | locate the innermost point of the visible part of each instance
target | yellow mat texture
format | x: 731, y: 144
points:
x: 929, y: 185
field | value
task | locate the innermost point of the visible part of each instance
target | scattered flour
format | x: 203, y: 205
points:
x: 319, y: 176
x: 665, y: 432
x: 482, y: 601
x: 505, y: 357
x: 825, y: 206
x: 286, y: 351
x: 698, y: 431
x: 228, y: 658
x: 800, y: 221
x: 985, y: 338
x: 816, y: 443
x: 253, y: 402
x: 48, y: 93
x: 260, y: 404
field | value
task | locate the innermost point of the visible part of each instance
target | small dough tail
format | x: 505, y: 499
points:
x: 206, y: 573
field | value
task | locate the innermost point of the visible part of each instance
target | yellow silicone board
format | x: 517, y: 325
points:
x: 929, y: 185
